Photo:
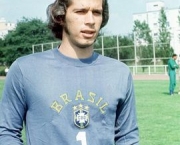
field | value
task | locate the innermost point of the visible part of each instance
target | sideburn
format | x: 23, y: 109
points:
x: 66, y: 28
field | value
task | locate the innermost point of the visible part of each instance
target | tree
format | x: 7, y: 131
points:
x: 164, y: 48
x: 19, y: 41
x: 1, y: 52
x: 142, y: 34
x: 126, y: 47
x: 143, y: 31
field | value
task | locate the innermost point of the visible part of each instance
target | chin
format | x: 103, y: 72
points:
x: 86, y: 44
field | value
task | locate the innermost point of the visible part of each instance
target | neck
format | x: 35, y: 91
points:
x: 73, y: 51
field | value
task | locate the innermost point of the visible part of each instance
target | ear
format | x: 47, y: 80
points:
x: 60, y: 20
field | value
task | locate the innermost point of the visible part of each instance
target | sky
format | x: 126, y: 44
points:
x: 121, y: 12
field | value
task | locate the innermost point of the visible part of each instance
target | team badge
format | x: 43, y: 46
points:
x: 81, y: 116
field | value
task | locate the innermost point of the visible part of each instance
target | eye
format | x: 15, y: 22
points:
x: 97, y: 13
x: 81, y: 11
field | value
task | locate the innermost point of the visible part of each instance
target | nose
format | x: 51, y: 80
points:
x: 89, y: 18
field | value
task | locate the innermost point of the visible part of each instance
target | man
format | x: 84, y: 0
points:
x: 70, y: 95
x: 172, y: 66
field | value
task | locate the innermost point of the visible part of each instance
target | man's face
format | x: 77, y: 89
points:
x: 175, y: 57
x: 82, y: 22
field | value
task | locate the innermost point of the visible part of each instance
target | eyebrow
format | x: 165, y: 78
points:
x: 87, y: 8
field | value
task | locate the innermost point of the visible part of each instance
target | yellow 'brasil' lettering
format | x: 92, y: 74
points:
x: 65, y: 98
x: 79, y: 95
x: 102, y: 107
x: 100, y: 99
x: 91, y: 95
x: 56, y: 106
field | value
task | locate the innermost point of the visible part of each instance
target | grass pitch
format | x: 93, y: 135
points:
x: 158, y: 113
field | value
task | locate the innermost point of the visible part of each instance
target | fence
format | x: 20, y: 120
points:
x: 149, y: 69
x: 141, y: 57
x: 44, y: 46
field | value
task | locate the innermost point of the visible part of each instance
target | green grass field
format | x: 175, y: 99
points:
x: 158, y: 113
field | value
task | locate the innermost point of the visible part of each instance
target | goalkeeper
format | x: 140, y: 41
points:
x: 172, y: 66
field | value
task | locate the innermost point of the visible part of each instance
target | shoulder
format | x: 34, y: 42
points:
x: 112, y: 63
x: 169, y: 60
x: 31, y: 64
x: 33, y: 61
x: 36, y: 57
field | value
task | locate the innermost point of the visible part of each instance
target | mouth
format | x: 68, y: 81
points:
x: 88, y: 33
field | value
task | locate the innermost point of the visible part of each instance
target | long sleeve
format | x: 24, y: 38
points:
x: 126, y: 130
x: 12, y: 108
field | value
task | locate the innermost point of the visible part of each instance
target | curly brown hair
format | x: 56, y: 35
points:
x: 56, y: 14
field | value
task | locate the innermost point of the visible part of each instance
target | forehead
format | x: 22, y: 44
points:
x: 96, y: 4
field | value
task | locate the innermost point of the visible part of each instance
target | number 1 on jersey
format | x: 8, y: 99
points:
x: 81, y: 136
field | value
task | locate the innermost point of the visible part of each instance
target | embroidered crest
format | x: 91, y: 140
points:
x: 81, y: 116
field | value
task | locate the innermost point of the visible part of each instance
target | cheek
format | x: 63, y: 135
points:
x: 99, y: 22
x: 75, y: 23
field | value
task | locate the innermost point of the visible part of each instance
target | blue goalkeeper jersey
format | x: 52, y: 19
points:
x: 66, y: 101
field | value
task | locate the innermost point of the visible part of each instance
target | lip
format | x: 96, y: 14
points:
x: 88, y: 33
